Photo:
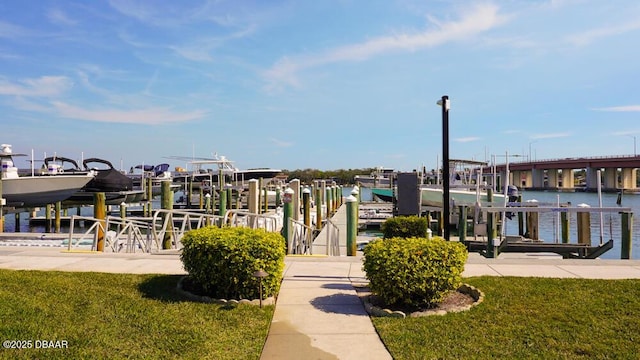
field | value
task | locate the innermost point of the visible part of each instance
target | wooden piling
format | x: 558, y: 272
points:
x: 492, y: 251
x: 532, y: 225
x: 58, y: 207
x: 266, y: 200
x: 318, y: 203
x: 584, y: 225
x: 564, y: 225
x: 306, y: 206
x: 521, y: 229
x: 166, y: 199
x: 287, y: 213
x: 352, y: 225
x: 100, y: 213
x: 47, y: 218
x: 263, y: 195
x: 627, y: 231
x: 462, y: 223
x: 149, y: 196
x: 222, y: 210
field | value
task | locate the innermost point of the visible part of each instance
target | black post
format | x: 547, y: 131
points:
x: 445, y: 165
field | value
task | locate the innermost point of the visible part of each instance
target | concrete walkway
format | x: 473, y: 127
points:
x: 318, y: 314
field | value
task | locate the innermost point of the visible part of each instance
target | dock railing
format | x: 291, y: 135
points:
x: 78, y: 240
x: 268, y: 222
x: 333, y: 238
x: 497, y: 240
x: 147, y: 234
x: 301, y: 238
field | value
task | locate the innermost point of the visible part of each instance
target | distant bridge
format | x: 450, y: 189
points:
x: 617, y: 173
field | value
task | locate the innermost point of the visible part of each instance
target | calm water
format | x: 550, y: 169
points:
x: 548, y: 222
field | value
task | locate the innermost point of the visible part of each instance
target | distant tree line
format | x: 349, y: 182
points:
x: 341, y: 176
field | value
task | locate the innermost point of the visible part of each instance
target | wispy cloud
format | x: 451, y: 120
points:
x: 148, y: 116
x: 550, y: 135
x: 47, y: 86
x: 59, y: 17
x: 473, y: 21
x: 280, y: 143
x: 10, y: 31
x: 467, y: 139
x: 589, y: 36
x: 627, y: 108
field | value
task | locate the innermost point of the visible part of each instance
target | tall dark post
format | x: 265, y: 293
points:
x: 444, y: 103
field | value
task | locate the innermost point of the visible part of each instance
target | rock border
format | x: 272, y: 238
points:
x: 206, y: 299
x: 475, y: 293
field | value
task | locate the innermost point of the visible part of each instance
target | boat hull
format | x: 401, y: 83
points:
x: 35, y: 191
x: 434, y: 196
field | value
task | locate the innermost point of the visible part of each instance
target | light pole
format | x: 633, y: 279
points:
x: 634, y: 144
x: 531, y: 142
x: 444, y: 103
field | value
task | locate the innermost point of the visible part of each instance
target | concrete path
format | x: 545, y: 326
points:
x: 318, y: 314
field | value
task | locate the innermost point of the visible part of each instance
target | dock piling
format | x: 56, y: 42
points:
x: 100, y: 213
x: 627, y: 230
x: 352, y: 225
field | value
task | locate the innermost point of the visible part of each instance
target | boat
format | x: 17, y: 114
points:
x: 116, y: 186
x: 36, y: 190
x: 140, y: 175
x: 379, y: 178
x: 107, y: 179
x: 207, y: 170
x: 464, y: 187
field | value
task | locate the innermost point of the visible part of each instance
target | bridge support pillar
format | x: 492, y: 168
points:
x: 629, y: 178
x: 552, y: 179
x: 567, y: 178
x: 592, y: 178
x: 514, y: 179
x: 610, y: 178
x: 537, y: 176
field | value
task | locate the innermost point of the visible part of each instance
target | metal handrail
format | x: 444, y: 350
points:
x: 164, y: 224
x: 98, y: 225
x: 333, y: 238
x: 131, y: 229
x: 301, y: 238
x: 270, y: 223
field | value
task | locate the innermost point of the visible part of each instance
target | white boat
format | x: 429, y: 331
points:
x: 432, y: 196
x: 464, y: 187
x: 379, y: 178
x: 208, y: 170
x: 36, y: 190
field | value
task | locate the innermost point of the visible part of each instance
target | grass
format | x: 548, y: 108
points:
x: 527, y: 318
x: 114, y: 316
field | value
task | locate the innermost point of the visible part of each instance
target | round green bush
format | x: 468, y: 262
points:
x: 222, y: 261
x: 404, y: 227
x: 414, y: 271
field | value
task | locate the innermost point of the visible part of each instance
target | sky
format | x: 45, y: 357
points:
x: 319, y: 84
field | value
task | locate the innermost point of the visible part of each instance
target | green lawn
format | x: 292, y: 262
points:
x: 122, y: 316
x: 527, y: 318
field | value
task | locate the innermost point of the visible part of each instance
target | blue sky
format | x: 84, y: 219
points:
x: 319, y: 84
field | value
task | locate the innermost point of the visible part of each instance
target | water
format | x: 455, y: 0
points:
x: 548, y: 222
x: 611, y: 229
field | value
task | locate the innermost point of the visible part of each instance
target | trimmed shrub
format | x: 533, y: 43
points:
x: 414, y: 271
x: 221, y: 261
x: 404, y: 227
